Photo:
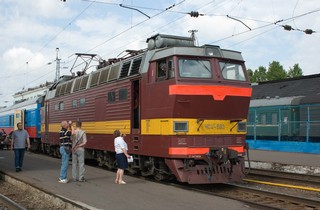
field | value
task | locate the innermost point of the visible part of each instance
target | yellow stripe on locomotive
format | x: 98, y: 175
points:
x: 185, y: 126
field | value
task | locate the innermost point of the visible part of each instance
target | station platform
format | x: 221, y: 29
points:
x: 301, y: 163
x: 100, y: 191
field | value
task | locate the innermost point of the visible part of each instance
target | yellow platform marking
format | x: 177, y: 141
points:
x: 283, y: 185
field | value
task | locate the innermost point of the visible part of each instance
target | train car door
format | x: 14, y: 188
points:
x: 18, y: 117
x: 45, y: 121
x: 135, y: 119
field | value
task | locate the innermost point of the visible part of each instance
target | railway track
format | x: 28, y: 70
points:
x: 19, y: 195
x: 263, y: 196
x: 8, y: 204
x: 256, y: 198
x: 285, y: 177
x: 258, y: 192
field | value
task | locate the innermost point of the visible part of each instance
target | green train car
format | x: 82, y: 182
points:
x: 294, y: 118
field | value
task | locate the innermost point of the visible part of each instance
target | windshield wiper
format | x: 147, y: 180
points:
x: 225, y: 65
x: 201, y: 62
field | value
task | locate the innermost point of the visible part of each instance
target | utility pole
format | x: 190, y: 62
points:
x: 57, y: 66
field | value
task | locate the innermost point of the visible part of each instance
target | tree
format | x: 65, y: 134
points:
x: 276, y: 71
x: 250, y: 74
x: 259, y: 75
x: 296, y: 71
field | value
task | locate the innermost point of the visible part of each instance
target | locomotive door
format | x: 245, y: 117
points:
x: 45, y: 122
x: 18, y: 117
x: 135, y: 116
x: 135, y: 105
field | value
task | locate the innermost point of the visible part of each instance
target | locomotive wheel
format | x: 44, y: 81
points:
x: 159, y: 176
x: 132, y: 170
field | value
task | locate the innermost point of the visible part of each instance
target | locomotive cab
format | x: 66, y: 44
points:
x: 196, y: 105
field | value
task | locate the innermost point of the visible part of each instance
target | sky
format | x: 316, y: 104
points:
x: 31, y: 32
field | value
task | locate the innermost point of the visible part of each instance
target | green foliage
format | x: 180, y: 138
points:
x: 296, y: 71
x: 259, y: 75
x: 275, y: 72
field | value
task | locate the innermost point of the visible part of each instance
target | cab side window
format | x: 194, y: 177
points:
x: 170, y: 69
x: 161, y: 70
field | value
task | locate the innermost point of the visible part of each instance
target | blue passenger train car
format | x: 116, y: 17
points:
x: 29, y: 114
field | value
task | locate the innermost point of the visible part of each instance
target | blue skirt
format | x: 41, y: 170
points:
x: 122, y: 161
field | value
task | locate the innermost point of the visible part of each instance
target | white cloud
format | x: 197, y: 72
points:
x: 33, y: 30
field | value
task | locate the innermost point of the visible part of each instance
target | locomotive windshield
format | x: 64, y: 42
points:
x: 192, y: 68
x: 232, y: 71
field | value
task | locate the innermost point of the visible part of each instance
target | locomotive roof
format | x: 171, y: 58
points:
x: 197, y: 51
x: 159, y: 46
x: 300, y: 86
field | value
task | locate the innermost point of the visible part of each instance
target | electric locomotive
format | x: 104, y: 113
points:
x: 182, y: 107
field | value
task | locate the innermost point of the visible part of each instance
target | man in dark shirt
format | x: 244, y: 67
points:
x: 19, y: 139
x: 65, y: 149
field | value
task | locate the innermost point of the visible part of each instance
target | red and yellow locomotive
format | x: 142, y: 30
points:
x: 182, y: 107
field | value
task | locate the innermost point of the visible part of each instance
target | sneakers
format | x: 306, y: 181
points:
x: 79, y: 180
x: 64, y: 181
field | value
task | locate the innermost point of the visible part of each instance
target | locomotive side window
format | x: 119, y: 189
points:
x: 161, y: 70
x: 111, y: 97
x: 232, y: 71
x: 82, y: 102
x: 191, y: 68
x: 74, y: 104
x: 61, y: 106
x: 123, y: 94
x: 170, y: 69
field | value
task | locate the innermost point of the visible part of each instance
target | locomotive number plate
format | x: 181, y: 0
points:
x: 214, y: 126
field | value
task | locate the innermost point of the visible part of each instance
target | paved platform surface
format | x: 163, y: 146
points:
x: 301, y: 163
x: 100, y: 192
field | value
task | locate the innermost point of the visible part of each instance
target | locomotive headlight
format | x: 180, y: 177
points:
x: 180, y: 126
x: 242, y: 127
x: 212, y: 50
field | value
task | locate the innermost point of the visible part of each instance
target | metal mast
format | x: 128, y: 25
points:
x: 57, y: 66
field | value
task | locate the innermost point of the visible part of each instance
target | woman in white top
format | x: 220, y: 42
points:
x: 121, y: 149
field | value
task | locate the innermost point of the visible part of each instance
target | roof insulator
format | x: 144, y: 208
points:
x: 308, y: 31
x: 287, y: 27
x: 194, y: 14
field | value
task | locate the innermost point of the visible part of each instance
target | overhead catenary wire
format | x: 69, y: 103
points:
x: 167, y: 24
x: 128, y: 29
